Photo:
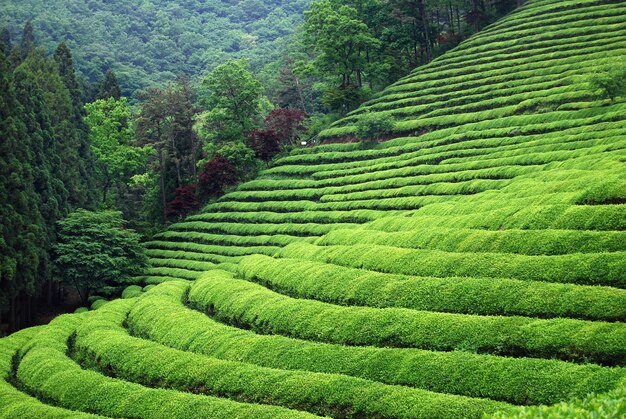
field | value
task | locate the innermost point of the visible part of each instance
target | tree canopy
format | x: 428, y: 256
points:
x: 95, y: 250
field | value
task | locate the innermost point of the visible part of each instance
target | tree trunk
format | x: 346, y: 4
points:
x: 299, y: 89
x: 162, y: 183
x: 450, y: 13
x: 424, y: 22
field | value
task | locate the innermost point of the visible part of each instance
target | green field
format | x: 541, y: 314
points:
x: 473, y: 264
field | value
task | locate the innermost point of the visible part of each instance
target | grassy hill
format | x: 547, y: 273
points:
x: 473, y: 264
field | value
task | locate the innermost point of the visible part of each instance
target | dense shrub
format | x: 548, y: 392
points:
x: 374, y: 126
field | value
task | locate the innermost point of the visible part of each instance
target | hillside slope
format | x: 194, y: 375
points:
x: 473, y: 264
x: 151, y: 42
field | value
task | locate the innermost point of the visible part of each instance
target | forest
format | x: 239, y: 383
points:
x: 321, y: 208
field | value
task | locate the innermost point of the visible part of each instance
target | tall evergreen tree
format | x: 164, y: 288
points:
x: 28, y: 40
x: 65, y: 63
x: 21, y: 221
x: 5, y: 41
x: 85, y: 195
x: 110, y: 87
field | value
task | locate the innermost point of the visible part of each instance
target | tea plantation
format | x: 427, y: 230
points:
x: 474, y: 264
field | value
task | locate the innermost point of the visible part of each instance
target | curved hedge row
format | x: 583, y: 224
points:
x: 580, y: 268
x: 13, y: 402
x: 484, y: 296
x: 160, y: 316
x: 45, y: 370
x: 103, y: 343
x: 252, y: 306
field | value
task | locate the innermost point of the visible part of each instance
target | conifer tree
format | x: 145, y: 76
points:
x: 28, y: 40
x: 5, y: 41
x: 20, y: 219
x: 86, y: 195
x: 110, y: 87
x: 65, y: 63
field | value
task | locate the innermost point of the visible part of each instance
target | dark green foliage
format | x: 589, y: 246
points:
x: 5, y: 41
x: 48, y: 170
x: 166, y: 123
x: 22, y: 247
x: 109, y: 87
x: 151, y: 43
x: 95, y: 250
x: 28, y: 41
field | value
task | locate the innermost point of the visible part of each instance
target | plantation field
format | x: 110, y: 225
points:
x: 472, y: 265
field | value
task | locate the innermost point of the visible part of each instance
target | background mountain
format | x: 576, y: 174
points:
x: 150, y: 42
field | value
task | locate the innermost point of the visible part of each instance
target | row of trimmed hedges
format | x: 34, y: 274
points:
x: 528, y: 242
x: 525, y: 217
x: 45, y: 370
x: 355, y: 287
x: 581, y: 268
x: 249, y: 305
x: 161, y: 316
x: 13, y: 402
x: 105, y: 345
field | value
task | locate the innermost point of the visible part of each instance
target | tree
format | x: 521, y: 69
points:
x: 288, y: 124
x: 185, y: 201
x: 65, y: 62
x: 341, y: 41
x: 265, y: 143
x: 217, y: 174
x: 234, y: 98
x: 166, y: 122
x: 112, y: 143
x: 22, y: 242
x: 28, y: 40
x: 86, y: 193
x: 95, y: 250
x: 109, y: 87
x: 292, y: 89
x: 5, y: 41
x: 610, y: 83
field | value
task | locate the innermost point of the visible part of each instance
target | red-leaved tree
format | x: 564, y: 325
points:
x: 287, y: 124
x: 185, y: 201
x: 215, y: 176
x: 265, y: 143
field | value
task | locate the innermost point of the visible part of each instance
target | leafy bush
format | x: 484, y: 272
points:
x: 611, y: 84
x: 374, y: 126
